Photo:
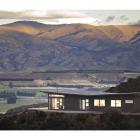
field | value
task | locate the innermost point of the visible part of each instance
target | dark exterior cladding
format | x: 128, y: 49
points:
x: 90, y: 101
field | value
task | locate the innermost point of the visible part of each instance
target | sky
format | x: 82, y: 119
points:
x: 65, y: 12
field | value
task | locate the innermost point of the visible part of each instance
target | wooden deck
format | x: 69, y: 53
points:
x: 45, y: 109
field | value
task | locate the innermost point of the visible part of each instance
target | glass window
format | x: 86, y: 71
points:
x: 84, y: 104
x: 115, y: 103
x: 61, y: 101
x: 99, y: 102
x: 87, y: 102
x: 56, y: 103
x: 55, y: 95
x: 102, y: 102
x: 129, y: 101
x: 118, y: 103
x: 96, y: 102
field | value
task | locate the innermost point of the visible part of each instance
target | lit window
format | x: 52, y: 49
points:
x: 102, y: 102
x: 56, y: 103
x: 84, y: 104
x: 115, y: 103
x: 129, y: 101
x: 99, y: 102
x: 96, y: 102
x: 87, y: 102
x: 55, y: 95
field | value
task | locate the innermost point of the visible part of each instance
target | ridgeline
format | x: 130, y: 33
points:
x: 132, y: 85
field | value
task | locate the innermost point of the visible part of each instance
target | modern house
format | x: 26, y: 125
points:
x: 86, y: 100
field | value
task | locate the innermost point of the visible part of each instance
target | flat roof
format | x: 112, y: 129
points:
x: 85, y: 92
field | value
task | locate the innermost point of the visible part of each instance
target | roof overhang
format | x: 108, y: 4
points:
x: 86, y: 92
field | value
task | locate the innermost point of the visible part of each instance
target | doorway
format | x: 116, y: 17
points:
x: 56, y: 103
x: 84, y: 104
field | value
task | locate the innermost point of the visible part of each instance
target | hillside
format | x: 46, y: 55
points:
x: 132, y: 85
x: 38, y: 120
x: 28, y: 45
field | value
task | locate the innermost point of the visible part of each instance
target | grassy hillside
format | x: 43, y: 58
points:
x: 132, y: 85
x: 37, y: 120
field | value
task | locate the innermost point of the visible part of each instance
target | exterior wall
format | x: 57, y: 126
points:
x: 71, y: 102
x: 136, y: 107
x: 95, y: 108
x: 124, y: 107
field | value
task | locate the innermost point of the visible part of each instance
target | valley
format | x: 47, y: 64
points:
x: 27, y: 87
x: 35, y: 57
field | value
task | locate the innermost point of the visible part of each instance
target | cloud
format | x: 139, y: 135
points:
x: 31, y: 14
x: 6, y: 14
x: 124, y: 17
x: 110, y: 18
x: 138, y: 22
x: 106, y: 17
x: 64, y: 14
x: 48, y: 17
x: 135, y: 23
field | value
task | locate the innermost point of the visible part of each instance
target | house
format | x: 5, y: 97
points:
x: 86, y: 100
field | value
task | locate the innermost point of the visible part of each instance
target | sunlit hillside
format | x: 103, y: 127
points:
x: 28, y: 45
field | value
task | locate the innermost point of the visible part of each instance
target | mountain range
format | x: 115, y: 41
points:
x: 33, y: 46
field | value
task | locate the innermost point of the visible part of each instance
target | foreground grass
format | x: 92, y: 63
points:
x: 38, y: 120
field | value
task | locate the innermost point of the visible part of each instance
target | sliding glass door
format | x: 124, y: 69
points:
x: 84, y: 104
x: 56, y: 103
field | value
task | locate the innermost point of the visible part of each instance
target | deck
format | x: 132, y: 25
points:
x: 45, y: 109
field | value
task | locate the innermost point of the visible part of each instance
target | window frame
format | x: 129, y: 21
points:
x: 99, y: 102
x: 56, y: 103
x: 84, y: 104
x: 116, y: 104
x: 127, y: 101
